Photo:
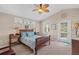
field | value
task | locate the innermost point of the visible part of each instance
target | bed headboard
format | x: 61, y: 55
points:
x: 26, y: 30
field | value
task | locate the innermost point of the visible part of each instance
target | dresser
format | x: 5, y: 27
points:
x: 75, y: 47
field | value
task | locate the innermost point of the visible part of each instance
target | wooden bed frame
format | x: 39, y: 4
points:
x: 39, y: 41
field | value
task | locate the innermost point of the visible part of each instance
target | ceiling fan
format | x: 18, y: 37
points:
x: 41, y: 8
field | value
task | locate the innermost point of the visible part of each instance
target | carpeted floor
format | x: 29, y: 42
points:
x: 56, y: 48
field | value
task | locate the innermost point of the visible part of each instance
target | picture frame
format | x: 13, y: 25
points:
x: 53, y: 26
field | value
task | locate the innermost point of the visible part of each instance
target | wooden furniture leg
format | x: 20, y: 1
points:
x: 36, y: 47
x: 49, y: 39
x: 35, y: 51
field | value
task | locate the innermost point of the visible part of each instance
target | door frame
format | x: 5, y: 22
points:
x: 69, y: 30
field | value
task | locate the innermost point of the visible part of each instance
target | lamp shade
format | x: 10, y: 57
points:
x: 76, y: 25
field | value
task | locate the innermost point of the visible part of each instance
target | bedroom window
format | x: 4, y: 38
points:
x: 46, y: 28
x: 18, y: 20
x: 27, y: 23
x: 63, y: 29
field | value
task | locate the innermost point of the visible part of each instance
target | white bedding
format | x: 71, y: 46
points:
x: 30, y: 41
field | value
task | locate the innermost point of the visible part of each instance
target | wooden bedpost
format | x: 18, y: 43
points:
x: 10, y: 41
x: 35, y: 51
x: 49, y: 39
x: 35, y: 47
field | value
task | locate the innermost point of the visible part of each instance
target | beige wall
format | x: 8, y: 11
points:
x: 70, y: 14
x: 6, y: 22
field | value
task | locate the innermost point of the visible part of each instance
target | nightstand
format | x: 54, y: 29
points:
x: 14, y: 38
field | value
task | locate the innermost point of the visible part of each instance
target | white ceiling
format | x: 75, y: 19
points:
x: 25, y: 10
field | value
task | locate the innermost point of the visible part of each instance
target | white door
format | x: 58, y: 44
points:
x: 64, y: 31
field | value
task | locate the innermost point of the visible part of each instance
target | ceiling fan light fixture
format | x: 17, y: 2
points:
x: 42, y: 8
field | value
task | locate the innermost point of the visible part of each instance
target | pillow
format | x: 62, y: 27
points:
x: 29, y: 34
x: 26, y: 34
x: 23, y: 35
x: 34, y: 33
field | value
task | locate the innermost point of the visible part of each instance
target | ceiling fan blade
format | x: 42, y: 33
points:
x: 40, y: 12
x: 40, y: 6
x: 45, y: 5
x: 46, y: 10
x: 34, y: 9
x: 37, y: 5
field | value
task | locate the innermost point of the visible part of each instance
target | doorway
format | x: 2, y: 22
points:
x: 64, y: 31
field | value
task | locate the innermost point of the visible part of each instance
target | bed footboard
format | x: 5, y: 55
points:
x: 40, y: 41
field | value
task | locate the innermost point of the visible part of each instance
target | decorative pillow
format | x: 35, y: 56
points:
x: 26, y: 34
x: 23, y: 35
x: 34, y: 33
x: 29, y: 34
